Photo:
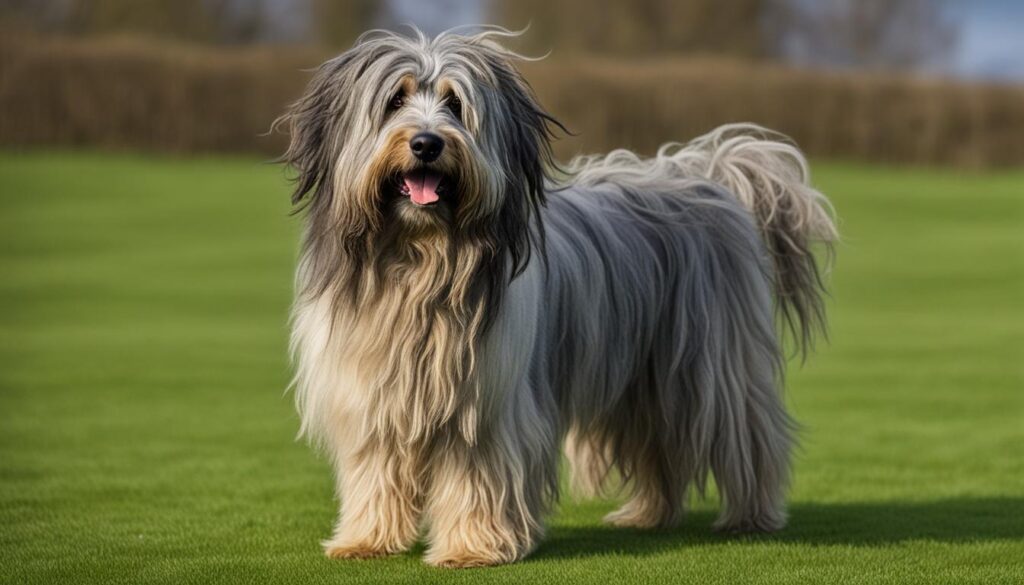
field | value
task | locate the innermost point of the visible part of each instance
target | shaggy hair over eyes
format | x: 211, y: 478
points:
x: 463, y: 315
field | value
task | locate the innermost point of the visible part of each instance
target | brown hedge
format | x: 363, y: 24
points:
x: 159, y: 97
x: 129, y: 94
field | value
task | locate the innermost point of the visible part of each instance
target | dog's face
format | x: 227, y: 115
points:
x: 426, y: 165
x: 420, y: 137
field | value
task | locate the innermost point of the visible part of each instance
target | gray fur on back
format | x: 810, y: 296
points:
x: 661, y: 343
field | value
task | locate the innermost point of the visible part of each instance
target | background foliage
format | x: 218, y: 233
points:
x: 210, y: 75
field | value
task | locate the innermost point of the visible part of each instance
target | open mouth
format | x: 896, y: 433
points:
x: 423, y: 186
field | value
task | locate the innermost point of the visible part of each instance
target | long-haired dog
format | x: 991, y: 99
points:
x: 463, y: 312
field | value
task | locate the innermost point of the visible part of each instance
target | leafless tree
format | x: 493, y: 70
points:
x: 636, y: 27
x: 874, y: 34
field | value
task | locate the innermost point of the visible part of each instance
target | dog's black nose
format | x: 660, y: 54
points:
x: 427, y: 146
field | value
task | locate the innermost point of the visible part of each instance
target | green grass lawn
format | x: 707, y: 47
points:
x: 145, y: 435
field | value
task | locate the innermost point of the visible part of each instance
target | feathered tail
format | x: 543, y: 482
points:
x: 769, y: 175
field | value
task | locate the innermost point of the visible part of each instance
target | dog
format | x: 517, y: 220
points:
x: 465, y: 308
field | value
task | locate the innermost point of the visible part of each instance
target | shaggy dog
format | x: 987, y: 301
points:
x: 462, y: 312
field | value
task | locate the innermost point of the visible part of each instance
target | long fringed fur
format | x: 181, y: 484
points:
x: 769, y: 175
x: 674, y: 240
x: 444, y: 353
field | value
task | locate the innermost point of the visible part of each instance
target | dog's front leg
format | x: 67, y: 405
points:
x: 379, y: 513
x: 483, y: 507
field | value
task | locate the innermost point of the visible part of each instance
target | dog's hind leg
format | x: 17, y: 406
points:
x: 640, y: 442
x: 656, y: 498
x: 753, y: 487
x: 750, y: 453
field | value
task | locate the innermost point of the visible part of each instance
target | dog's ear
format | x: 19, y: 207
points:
x: 315, y: 126
x: 526, y: 143
x: 528, y: 135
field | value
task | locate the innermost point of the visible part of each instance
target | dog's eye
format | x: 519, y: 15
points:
x: 455, y: 105
x: 396, y: 102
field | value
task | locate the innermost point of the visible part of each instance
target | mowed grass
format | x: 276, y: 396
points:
x: 146, y: 436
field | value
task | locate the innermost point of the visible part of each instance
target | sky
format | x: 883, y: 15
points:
x: 991, y: 42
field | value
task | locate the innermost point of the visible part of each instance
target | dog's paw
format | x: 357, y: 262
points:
x: 354, y: 550
x: 466, y: 560
x: 627, y: 521
x: 460, y: 557
x: 641, y: 517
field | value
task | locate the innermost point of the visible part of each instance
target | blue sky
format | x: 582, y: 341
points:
x: 991, y: 39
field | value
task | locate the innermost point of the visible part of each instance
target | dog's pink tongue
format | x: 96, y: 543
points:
x: 422, y: 186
